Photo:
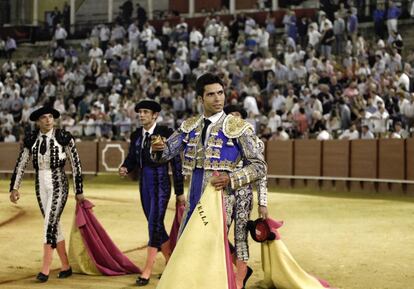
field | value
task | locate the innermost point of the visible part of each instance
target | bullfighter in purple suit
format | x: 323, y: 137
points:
x: 154, y: 181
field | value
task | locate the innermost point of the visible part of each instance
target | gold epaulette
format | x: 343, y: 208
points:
x: 233, y: 127
x: 190, y: 124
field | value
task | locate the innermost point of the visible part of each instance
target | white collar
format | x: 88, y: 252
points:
x: 151, y: 130
x: 49, y: 134
x: 215, y: 117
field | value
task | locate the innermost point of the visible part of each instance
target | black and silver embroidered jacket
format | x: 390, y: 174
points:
x: 61, y: 147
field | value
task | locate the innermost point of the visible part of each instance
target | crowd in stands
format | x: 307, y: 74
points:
x: 320, y: 78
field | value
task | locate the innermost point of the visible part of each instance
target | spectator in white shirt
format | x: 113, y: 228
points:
x: 153, y: 44
x: 277, y: 100
x: 404, y: 79
x: 350, y: 133
x: 208, y: 45
x: 60, y: 35
x: 195, y: 36
x: 399, y: 132
x: 315, y: 104
x: 95, y: 53
x: 133, y: 37
x: 114, y: 98
x: 274, y: 121
x: 118, y: 33
x: 366, y: 133
x: 280, y: 134
x: 49, y: 89
x: 314, y: 36
x: 324, y: 135
x: 8, y: 137
x: 250, y: 105
x: 104, y: 36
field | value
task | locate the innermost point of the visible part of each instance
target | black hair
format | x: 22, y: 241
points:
x: 206, y: 79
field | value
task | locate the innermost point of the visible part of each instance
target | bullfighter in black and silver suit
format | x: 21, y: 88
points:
x: 49, y: 149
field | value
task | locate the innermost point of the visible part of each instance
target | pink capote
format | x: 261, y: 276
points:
x: 104, y: 253
x: 231, y: 277
x: 179, y: 211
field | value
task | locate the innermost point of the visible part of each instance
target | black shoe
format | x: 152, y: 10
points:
x: 142, y: 281
x: 248, y: 274
x: 159, y: 276
x: 65, y: 274
x: 42, y: 277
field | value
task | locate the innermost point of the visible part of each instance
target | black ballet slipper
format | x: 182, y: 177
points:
x: 42, y: 277
x: 65, y: 274
x: 248, y: 274
x: 142, y: 281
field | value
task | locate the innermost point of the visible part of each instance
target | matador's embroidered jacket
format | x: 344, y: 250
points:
x: 51, y: 182
x: 230, y: 141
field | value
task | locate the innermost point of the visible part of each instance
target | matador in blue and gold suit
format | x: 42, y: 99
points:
x: 154, y: 182
x: 228, y: 141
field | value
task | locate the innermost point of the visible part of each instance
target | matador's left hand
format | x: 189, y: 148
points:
x: 263, y: 213
x: 80, y: 197
x: 220, y: 181
x: 180, y: 199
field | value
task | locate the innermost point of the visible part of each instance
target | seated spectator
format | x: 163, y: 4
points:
x: 324, y: 135
x: 280, y: 134
x: 366, y: 133
x: 88, y: 124
x: 379, y: 119
x: 350, y: 134
x: 399, y: 132
x: 317, y: 124
x: 274, y: 121
x: 8, y: 137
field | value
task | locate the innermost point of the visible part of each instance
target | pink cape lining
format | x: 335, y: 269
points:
x: 231, y: 278
x: 179, y: 211
x: 106, y: 256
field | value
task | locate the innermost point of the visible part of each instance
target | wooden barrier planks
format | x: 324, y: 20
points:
x: 364, y: 159
x: 391, y: 157
x: 279, y: 156
x: 307, y: 157
x: 335, y: 158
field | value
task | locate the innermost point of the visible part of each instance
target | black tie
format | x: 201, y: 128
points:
x: 146, y: 140
x: 43, y: 145
x: 207, y: 122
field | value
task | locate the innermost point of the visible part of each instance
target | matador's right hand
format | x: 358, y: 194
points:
x: 14, y: 196
x: 123, y: 171
x: 157, y: 145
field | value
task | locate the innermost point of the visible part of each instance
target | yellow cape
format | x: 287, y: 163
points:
x: 282, y: 271
x: 79, y: 258
x: 199, y: 259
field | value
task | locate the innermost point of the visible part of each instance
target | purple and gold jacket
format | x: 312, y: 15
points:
x: 230, y: 141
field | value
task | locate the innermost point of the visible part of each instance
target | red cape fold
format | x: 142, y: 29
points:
x: 106, y: 256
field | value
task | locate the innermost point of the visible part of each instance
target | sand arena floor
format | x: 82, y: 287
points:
x: 353, y: 240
